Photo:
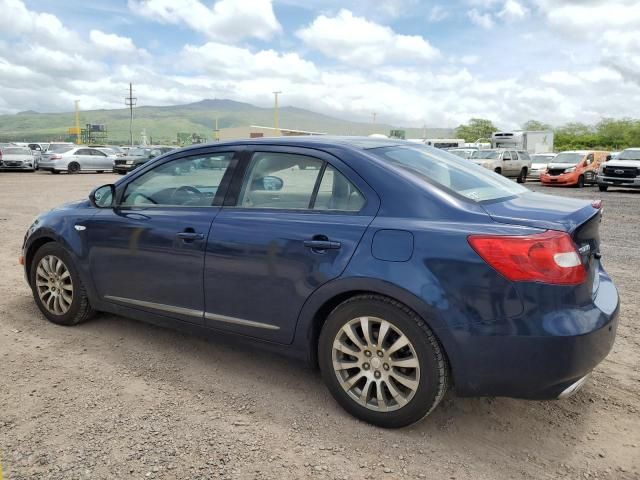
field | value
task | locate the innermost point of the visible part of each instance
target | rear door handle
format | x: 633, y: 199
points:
x: 190, y: 236
x: 322, y: 244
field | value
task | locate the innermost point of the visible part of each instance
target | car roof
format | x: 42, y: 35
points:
x: 633, y: 149
x: 362, y: 143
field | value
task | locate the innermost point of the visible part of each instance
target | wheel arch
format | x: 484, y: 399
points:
x: 324, y: 300
x: 31, y: 250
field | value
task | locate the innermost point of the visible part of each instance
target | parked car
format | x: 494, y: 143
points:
x: 74, y: 159
x: 137, y: 157
x: 510, y: 163
x: 623, y: 171
x: 573, y: 168
x: 539, y: 162
x: 17, y: 158
x: 397, y: 268
x: 462, y: 152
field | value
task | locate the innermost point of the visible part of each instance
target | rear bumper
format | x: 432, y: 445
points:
x: 543, y: 367
x: 619, y: 182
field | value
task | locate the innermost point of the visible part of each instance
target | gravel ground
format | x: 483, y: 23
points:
x: 115, y: 398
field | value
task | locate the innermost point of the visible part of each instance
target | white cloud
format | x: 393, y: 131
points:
x: 112, y: 42
x: 438, y: 13
x: 513, y: 10
x: 235, y: 62
x: 227, y: 20
x: 358, y: 41
x: 483, y: 20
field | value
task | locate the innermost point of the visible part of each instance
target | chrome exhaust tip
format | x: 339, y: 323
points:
x: 574, y: 387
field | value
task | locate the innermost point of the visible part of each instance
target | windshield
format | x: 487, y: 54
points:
x: 568, y: 157
x: 541, y: 158
x: 485, y: 154
x: 138, y: 152
x: 464, y: 178
x: 16, y: 151
x: 629, y: 155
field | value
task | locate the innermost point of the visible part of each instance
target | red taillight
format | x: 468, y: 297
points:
x: 549, y: 257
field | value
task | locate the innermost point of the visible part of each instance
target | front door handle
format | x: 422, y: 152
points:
x: 190, y: 236
x: 322, y: 244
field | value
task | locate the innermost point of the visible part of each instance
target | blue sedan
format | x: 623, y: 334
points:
x: 399, y: 269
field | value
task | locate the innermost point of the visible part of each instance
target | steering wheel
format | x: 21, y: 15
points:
x: 189, y: 192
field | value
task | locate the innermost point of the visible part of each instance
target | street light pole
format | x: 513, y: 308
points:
x: 275, y: 113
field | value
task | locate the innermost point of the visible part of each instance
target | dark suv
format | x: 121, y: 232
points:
x: 136, y: 157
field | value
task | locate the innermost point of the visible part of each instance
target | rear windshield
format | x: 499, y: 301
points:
x: 60, y: 148
x: 629, y: 155
x: 568, y: 157
x: 462, y: 177
x: 485, y: 154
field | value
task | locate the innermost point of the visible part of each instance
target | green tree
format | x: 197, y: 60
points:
x: 536, y: 125
x: 476, y: 128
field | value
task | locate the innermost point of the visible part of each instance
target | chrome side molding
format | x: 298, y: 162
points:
x: 191, y: 312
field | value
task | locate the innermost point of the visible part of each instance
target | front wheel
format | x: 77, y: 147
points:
x: 580, y: 183
x: 74, y: 167
x: 522, y: 178
x: 381, y: 362
x: 603, y: 188
x: 57, y: 288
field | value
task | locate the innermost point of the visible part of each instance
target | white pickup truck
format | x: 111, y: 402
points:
x: 510, y: 163
x: 622, y: 171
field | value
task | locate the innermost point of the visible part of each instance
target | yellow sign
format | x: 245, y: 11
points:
x: 72, y: 131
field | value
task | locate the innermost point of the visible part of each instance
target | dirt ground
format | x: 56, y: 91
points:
x: 115, y: 398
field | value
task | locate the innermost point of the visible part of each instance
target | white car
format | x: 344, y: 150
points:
x: 74, y: 159
x: 509, y: 163
x: 539, y: 162
x: 17, y: 158
x: 462, y: 152
x: 623, y: 171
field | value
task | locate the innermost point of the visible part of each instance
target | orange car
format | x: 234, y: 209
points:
x: 573, y: 168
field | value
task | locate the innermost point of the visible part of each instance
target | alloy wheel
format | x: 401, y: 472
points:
x: 376, y: 364
x: 54, y: 285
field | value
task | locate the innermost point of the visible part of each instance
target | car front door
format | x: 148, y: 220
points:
x: 83, y: 158
x: 100, y: 160
x: 148, y: 251
x: 291, y: 222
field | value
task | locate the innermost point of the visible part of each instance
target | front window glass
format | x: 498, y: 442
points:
x: 191, y: 181
x: 568, y: 157
x: 485, y: 154
x: 465, y: 178
x: 629, y: 155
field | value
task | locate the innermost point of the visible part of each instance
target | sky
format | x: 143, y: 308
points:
x: 413, y: 63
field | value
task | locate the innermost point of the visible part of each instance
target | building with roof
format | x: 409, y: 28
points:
x: 258, y: 131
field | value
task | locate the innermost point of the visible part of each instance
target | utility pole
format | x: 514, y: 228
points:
x: 216, y: 132
x: 275, y: 113
x: 78, y: 139
x: 130, y: 102
x: 374, y: 114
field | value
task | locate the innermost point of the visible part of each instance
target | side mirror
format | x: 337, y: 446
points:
x: 270, y: 183
x: 103, y: 197
x: 607, y: 158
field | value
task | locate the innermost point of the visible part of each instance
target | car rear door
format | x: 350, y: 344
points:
x: 84, y: 158
x: 291, y: 222
x: 148, y: 252
x: 100, y: 160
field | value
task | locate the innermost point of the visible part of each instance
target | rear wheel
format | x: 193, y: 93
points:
x: 381, y: 362
x: 603, y: 188
x: 522, y: 178
x: 73, y: 167
x: 580, y: 183
x: 57, y: 288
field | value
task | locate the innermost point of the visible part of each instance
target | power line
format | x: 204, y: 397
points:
x: 130, y: 102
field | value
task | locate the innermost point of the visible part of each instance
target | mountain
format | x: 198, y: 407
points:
x: 162, y: 123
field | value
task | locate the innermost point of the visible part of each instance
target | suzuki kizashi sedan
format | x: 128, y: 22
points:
x: 399, y: 269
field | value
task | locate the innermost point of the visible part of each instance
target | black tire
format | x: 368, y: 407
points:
x: 603, y: 188
x: 580, y: 183
x: 120, y: 172
x: 73, y: 167
x: 434, y: 373
x: 498, y: 171
x: 80, y: 309
x: 100, y: 171
x: 522, y: 178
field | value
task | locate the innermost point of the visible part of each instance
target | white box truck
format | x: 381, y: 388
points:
x: 530, y: 141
